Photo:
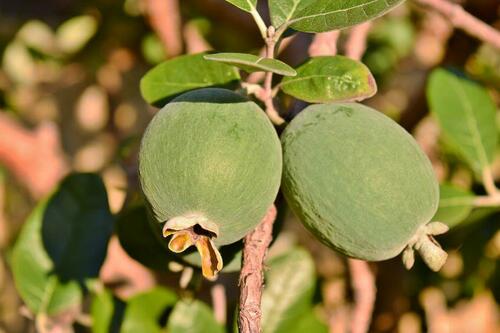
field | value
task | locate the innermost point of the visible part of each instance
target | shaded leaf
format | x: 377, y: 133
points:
x: 182, y: 74
x: 144, y: 311
x: 455, y: 205
x: 466, y: 114
x: 290, y: 283
x: 31, y: 266
x: 252, y: 63
x: 330, y: 79
x: 325, y: 15
x: 75, y: 33
x: 76, y: 227
x: 246, y: 5
x: 309, y: 322
x: 193, y: 317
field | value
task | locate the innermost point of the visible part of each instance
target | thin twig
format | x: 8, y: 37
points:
x: 164, y: 17
x: 363, y: 285
x: 489, y: 183
x: 271, y: 111
x: 465, y: 21
x: 355, y: 46
x: 252, y: 274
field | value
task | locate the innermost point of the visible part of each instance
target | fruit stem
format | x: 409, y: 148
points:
x: 431, y: 252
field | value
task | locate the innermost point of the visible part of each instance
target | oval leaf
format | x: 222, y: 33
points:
x: 182, y: 74
x: 76, y: 227
x: 73, y: 34
x: 331, y: 79
x: 455, y: 205
x: 193, y: 317
x: 325, y: 15
x: 144, y: 311
x: 252, y: 63
x: 466, y: 114
x: 290, y: 284
x: 246, y: 5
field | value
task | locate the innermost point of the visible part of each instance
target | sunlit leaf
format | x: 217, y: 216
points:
x: 182, y: 74
x: 466, y: 114
x: 102, y: 309
x: 325, y: 15
x: 75, y: 33
x: 252, y: 63
x: 455, y: 205
x: 18, y: 63
x: 330, y: 79
x: 290, y: 283
x: 38, y: 36
x: 246, y: 5
x: 194, y: 317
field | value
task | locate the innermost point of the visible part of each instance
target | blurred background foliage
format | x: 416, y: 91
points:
x: 70, y: 102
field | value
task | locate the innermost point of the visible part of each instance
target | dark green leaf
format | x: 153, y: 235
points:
x: 330, y: 79
x: 246, y: 5
x: 182, y: 74
x: 455, y: 205
x: 31, y: 266
x: 290, y: 283
x: 325, y: 15
x: 144, y: 311
x: 466, y: 113
x: 252, y: 63
x: 193, y: 317
x: 76, y: 227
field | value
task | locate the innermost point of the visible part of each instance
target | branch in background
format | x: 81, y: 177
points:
x: 324, y: 43
x: 219, y: 302
x: 356, y: 43
x: 363, y: 285
x: 465, y: 21
x: 271, y: 111
x: 252, y: 274
x: 195, y: 42
x: 35, y: 158
x: 164, y: 18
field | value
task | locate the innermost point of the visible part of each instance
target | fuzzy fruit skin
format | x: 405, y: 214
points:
x: 357, y: 180
x: 213, y: 153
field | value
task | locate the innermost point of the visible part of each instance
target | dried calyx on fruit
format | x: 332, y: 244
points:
x: 210, y: 167
x: 361, y: 184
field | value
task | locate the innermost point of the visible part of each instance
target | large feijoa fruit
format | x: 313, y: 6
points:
x: 210, y: 167
x: 361, y: 184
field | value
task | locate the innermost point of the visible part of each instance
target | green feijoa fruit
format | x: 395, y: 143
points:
x: 210, y: 166
x: 361, y: 184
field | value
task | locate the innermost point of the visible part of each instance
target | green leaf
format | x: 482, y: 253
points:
x: 194, y: 317
x: 290, y: 284
x: 63, y: 242
x: 455, y: 205
x: 252, y: 63
x: 466, y: 114
x: 73, y: 34
x: 32, y: 267
x: 144, y: 311
x: 325, y: 15
x: 102, y: 309
x: 136, y: 237
x: 309, y: 322
x: 76, y: 227
x: 246, y: 5
x: 330, y: 79
x: 182, y: 74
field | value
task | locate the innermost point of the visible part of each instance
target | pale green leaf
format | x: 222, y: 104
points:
x: 102, y: 309
x: 325, y: 15
x: 75, y: 33
x: 246, y: 5
x: 290, y: 283
x: 18, y: 63
x: 38, y: 36
x: 144, y: 311
x: 455, y: 205
x: 183, y: 74
x: 330, y: 79
x: 194, y: 317
x: 466, y: 114
x: 252, y: 63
